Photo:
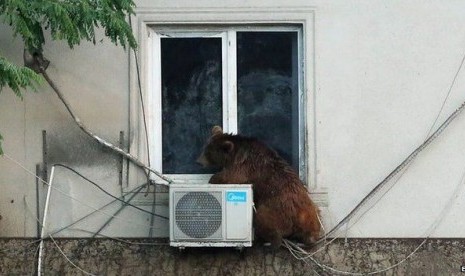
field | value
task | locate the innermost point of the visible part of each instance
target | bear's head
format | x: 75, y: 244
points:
x: 219, y: 150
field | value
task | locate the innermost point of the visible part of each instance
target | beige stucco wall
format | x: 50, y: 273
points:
x: 95, y: 81
x: 382, y: 71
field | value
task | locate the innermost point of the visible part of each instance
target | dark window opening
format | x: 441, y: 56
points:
x: 267, y: 90
x: 191, y: 99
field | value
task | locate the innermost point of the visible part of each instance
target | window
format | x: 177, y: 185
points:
x: 247, y: 80
x: 235, y: 28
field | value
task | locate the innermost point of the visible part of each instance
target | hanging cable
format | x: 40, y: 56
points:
x: 447, y: 95
x: 301, y: 254
x: 142, y: 104
x: 133, y: 222
x: 67, y: 259
x: 120, y: 240
x: 154, y: 202
x: 399, y: 168
x: 107, y: 193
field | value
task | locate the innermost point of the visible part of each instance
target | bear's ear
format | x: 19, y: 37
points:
x: 227, y: 146
x: 216, y: 130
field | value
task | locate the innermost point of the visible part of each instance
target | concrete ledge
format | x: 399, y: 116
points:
x: 110, y: 257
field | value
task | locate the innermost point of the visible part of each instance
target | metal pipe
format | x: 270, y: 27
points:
x: 38, y: 202
x: 44, y: 221
x: 38, y: 228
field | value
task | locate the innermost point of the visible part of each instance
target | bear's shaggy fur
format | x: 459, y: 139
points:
x: 283, y: 206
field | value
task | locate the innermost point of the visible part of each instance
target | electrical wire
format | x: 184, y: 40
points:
x: 116, y: 239
x: 136, y: 190
x: 406, y: 163
x: 68, y: 259
x: 295, y: 251
x: 401, y: 168
x: 451, y: 117
x: 81, y: 230
x: 301, y: 254
x: 382, y: 184
x: 36, y: 255
x: 396, y: 171
x: 107, y: 193
x: 100, y: 140
x: 119, y: 239
x: 447, y: 95
x: 141, y: 100
x: 85, y: 231
x: 75, y: 229
x: 61, y: 251
x: 152, y: 221
x: 128, y: 221
x: 323, y: 266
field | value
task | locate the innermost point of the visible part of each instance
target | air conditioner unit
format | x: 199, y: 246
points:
x: 211, y: 215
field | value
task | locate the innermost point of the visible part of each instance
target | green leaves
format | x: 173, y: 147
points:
x: 70, y: 20
x: 17, y: 78
x: 25, y: 21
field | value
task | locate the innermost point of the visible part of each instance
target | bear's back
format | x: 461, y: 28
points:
x: 268, y: 172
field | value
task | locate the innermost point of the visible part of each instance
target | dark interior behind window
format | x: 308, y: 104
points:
x: 267, y: 78
x: 191, y: 99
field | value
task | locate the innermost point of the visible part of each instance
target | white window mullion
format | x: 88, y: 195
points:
x: 231, y: 84
x: 225, y: 83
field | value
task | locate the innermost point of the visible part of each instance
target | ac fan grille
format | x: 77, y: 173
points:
x: 199, y: 214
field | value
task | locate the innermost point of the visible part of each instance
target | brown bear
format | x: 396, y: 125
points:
x: 283, y: 206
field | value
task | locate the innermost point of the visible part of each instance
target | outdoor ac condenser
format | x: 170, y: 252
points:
x: 211, y: 215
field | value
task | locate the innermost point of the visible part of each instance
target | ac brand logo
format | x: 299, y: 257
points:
x: 462, y: 268
x: 236, y: 196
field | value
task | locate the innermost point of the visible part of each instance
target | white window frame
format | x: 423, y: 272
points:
x: 229, y: 89
x: 155, y: 96
x: 159, y: 16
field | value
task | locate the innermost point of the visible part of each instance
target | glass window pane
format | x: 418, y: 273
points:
x: 191, y: 98
x: 267, y: 73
